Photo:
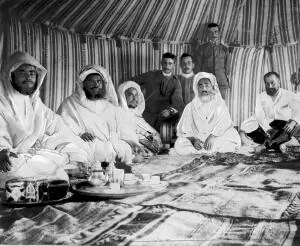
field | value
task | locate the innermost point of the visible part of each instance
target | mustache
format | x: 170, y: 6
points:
x: 206, y: 92
x: 27, y: 81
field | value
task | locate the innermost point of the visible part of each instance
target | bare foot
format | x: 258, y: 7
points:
x: 138, y: 159
x: 260, y: 149
x: 245, y: 140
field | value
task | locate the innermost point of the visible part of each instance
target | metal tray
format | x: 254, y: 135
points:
x: 86, y: 189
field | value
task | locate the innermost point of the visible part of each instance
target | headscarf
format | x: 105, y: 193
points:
x: 138, y: 111
x: 133, y: 117
x: 190, y: 123
x: 110, y: 95
x: 23, y: 112
x: 213, y: 80
x: 217, y: 98
x: 11, y: 98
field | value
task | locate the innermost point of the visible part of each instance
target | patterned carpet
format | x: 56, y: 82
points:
x: 222, y: 199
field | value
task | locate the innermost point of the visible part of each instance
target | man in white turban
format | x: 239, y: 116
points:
x: 34, y: 141
x: 205, y: 125
x: 92, y: 113
x: 132, y: 102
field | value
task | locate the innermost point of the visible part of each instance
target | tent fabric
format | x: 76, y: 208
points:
x: 62, y: 54
x: 243, y: 22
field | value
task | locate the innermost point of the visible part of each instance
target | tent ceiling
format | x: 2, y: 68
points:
x: 243, y: 22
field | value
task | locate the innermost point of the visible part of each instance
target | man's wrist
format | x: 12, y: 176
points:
x: 192, y: 140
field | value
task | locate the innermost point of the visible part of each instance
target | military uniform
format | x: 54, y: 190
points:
x: 213, y: 58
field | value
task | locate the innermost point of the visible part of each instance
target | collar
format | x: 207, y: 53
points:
x: 187, y: 75
x: 215, y: 42
x: 166, y: 74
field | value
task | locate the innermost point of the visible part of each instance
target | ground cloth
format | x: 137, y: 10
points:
x: 222, y: 199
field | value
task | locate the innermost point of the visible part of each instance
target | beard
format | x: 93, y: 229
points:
x: 132, y: 104
x: 272, y: 92
x: 93, y: 96
x: 206, y: 97
x: 27, y: 91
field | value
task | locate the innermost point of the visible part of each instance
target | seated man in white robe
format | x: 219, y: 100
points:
x: 92, y: 113
x: 205, y: 125
x: 34, y: 141
x: 132, y: 102
x: 275, y: 109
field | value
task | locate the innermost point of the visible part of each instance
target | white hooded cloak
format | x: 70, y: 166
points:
x: 101, y: 118
x: 200, y: 119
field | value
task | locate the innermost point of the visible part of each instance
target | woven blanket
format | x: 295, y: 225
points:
x: 222, y: 199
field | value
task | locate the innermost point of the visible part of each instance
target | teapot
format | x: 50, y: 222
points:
x: 97, y: 177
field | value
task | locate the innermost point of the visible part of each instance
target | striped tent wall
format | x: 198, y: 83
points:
x: 58, y: 52
x: 287, y: 22
x: 130, y: 57
x: 63, y: 54
x: 244, y: 22
x: 1, y: 39
x: 285, y: 59
x: 246, y: 81
x: 63, y: 61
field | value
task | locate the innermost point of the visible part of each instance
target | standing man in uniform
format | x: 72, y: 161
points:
x: 213, y: 57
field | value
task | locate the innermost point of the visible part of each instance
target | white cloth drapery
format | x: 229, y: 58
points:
x: 102, y: 118
x: 28, y: 128
x: 200, y: 119
x: 134, y: 117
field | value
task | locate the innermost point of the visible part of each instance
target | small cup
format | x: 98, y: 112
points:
x: 155, y: 180
x: 117, y: 176
x: 129, y: 179
x: 146, y: 177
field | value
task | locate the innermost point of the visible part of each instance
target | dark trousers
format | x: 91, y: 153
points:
x: 276, y: 136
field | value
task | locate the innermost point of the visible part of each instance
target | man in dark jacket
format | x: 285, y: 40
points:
x: 213, y: 57
x: 163, y: 96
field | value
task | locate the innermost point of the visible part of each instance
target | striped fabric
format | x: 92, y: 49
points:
x: 268, y: 22
x: 243, y: 22
x: 63, y: 53
x: 1, y: 40
x: 285, y: 63
x: 246, y: 82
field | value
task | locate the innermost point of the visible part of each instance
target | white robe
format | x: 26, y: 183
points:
x: 200, y: 119
x: 134, y: 121
x: 43, y: 143
x: 101, y: 118
x: 285, y: 106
